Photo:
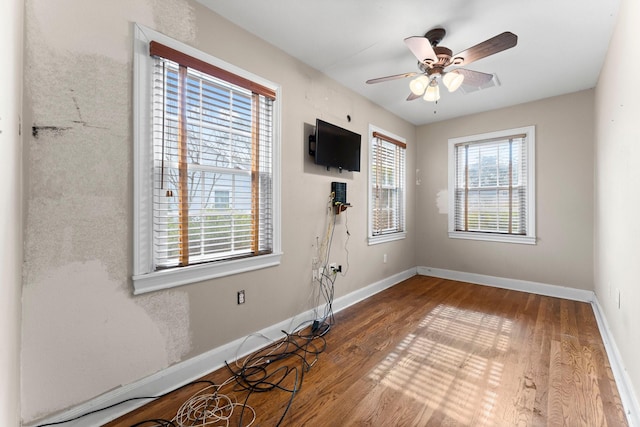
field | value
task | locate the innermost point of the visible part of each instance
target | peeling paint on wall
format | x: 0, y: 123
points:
x: 169, y: 311
x: 175, y: 18
x: 84, y: 333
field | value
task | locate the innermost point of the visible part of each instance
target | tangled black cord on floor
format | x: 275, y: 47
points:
x: 158, y: 422
x: 260, y: 372
x: 280, y: 365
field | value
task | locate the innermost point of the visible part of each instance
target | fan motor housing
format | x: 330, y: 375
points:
x: 435, y: 36
x: 443, y: 54
x: 444, y: 60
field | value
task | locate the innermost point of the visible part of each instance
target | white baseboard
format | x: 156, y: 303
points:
x: 364, y: 293
x: 512, y: 284
x: 625, y: 388
x: 623, y: 382
x: 189, y: 370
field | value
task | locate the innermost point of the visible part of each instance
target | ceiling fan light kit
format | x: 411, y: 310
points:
x: 433, y: 59
x: 432, y: 94
x: 453, y: 80
x: 419, y: 85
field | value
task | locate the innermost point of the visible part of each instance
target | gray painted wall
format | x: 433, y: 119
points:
x: 563, y: 254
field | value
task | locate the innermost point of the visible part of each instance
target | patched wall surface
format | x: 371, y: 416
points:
x: 80, y: 322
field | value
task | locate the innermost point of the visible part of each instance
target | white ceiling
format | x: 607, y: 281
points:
x: 561, y: 45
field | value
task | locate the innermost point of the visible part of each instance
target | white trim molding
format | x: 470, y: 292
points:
x: 529, y: 172
x: 145, y: 277
x: 623, y: 382
x: 402, y: 209
x: 513, y: 284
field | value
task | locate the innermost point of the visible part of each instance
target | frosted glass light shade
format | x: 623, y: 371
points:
x: 453, y: 80
x: 419, y: 85
x: 433, y: 93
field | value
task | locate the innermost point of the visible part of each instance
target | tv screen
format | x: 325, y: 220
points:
x: 336, y: 147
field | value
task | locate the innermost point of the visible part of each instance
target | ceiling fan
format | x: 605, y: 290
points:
x: 433, y: 59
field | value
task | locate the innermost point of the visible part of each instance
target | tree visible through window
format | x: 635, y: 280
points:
x: 208, y: 134
x: 204, y: 186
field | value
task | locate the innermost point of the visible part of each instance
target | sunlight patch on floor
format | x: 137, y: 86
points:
x: 432, y: 367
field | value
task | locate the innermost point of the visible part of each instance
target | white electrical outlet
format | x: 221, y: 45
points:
x: 384, y: 258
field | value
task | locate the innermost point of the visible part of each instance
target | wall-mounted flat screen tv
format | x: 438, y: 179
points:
x: 336, y: 147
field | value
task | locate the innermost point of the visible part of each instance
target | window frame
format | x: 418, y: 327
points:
x: 396, y: 235
x: 144, y: 277
x: 530, y: 237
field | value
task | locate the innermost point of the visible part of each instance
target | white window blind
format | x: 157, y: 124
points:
x: 493, y: 185
x: 387, y: 185
x: 212, y: 140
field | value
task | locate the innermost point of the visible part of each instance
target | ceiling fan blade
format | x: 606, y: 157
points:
x: 413, y: 96
x: 474, y: 78
x: 387, y: 78
x: 421, y: 48
x: 488, y: 47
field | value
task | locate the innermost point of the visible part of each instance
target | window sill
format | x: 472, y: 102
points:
x: 492, y: 237
x: 165, y: 279
x: 374, y: 240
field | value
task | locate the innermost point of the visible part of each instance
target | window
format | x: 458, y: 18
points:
x: 221, y: 199
x: 492, y: 186
x: 387, y: 186
x: 206, y: 181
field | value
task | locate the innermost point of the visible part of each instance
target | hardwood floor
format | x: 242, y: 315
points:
x: 431, y: 352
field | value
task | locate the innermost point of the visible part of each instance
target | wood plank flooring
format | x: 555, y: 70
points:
x: 435, y: 352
